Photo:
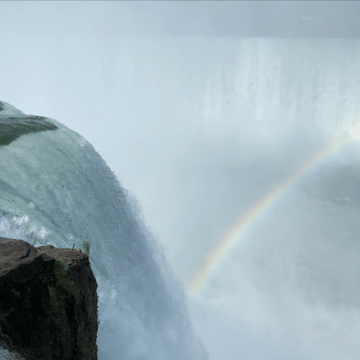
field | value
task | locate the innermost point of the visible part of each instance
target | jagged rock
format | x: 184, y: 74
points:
x: 48, y: 302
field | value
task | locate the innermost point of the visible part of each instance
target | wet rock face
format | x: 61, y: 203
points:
x: 48, y: 302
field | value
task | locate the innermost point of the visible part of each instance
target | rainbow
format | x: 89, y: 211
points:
x: 234, y: 234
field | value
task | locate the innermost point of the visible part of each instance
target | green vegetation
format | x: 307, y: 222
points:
x: 86, y: 247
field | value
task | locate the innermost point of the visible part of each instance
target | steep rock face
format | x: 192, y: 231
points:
x: 48, y: 302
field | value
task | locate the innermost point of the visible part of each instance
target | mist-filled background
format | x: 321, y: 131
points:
x: 200, y: 108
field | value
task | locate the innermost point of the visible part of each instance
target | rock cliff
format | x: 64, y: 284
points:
x: 48, y: 302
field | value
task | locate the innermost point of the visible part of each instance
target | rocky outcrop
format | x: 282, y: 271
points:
x: 48, y: 302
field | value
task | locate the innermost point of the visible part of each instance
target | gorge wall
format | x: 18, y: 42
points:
x: 48, y: 302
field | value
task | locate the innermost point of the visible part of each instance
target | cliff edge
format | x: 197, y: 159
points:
x: 48, y: 302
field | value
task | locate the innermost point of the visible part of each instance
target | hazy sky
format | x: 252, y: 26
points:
x: 182, y: 18
x: 199, y: 108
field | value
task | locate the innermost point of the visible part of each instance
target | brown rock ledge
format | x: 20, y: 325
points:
x: 48, y: 302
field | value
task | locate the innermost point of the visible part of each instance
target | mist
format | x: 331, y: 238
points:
x: 200, y: 109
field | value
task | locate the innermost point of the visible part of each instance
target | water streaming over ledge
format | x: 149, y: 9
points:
x: 56, y: 189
